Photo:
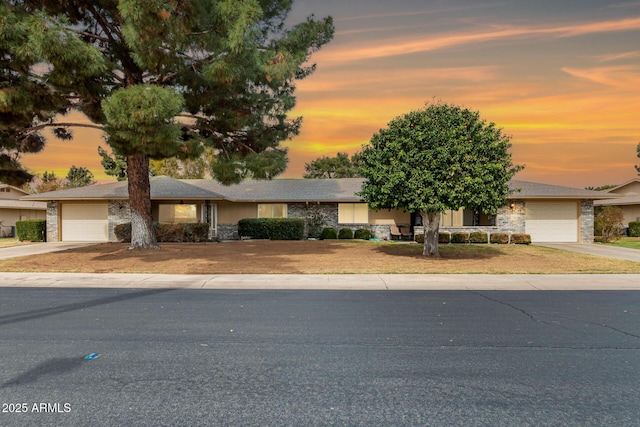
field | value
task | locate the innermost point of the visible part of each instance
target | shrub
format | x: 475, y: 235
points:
x: 418, y: 238
x: 362, y: 233
x: 459, y: 237
x: 328, y: 233
x: 196, y: 231
x: 272, y: 228
x: 634, y: 228
x: 608, y: 223
x: 123, y: 232
x: 500, y: 238
x: 478, y: 237
x: 345, y: 233
x: 444, y: 237
x: 169, y: 232
x: 521, y: 239
x: 32, y: 229
x: 316, y: 220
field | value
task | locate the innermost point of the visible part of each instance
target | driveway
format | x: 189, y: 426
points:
x: 596, y: 249
x: 40, y: 248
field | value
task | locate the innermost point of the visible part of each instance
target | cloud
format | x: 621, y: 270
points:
x: 426, y: 43
x: 618, y: 56
x: 626, y: 77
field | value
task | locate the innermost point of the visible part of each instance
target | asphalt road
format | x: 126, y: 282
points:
x: 275, y: 358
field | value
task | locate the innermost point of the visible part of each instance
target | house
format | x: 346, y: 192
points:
x: 628, y: 200
x: 12, y: 209
x: 548, y: 213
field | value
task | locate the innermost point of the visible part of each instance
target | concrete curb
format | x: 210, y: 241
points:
x: 381, y: 282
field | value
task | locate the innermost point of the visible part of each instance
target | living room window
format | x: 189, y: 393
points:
x: 272, y: 210
x: 353, y: 213
x: 178, y: 213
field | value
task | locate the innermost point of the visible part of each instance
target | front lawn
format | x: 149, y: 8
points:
x: 627, y: 242
x: 317, y: 257
x: 6, y: 242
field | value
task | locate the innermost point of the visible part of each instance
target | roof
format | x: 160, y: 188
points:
x: 22, y: 204
x: 534, y: 190
x: 15, y: 188
x: 631, y: 199
x: 283, y: 190
x: 162, y: 188
x: 617, y: 187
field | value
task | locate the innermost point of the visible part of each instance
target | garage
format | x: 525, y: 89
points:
x: 552, y: 221
x: 85, y: 222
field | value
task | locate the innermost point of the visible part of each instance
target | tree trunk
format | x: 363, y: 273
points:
x: 431, y: 223
x: 142, y: 235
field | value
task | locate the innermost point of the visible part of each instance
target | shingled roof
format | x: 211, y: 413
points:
x: 283, y: 191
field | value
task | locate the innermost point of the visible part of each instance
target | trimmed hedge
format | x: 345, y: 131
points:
x: 34, y: 230
x: 444, y: 237
x: 345, y: 233
x: 362, y: 233
x: 634, y: 228
x: 272, y: 228
x: 478, y: 237
x: 500, y: 238
x: 459, y: 237
x: 521, y: 239
x: 418, y: 238
x: 168, y: 232
x: 328, y: 233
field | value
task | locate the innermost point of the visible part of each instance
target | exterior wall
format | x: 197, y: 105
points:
x: 9, y: 217
x: 632, y: 187
x: 587, y: 221
x: 512, y: 219
x: 389, y: 217
x: 631, y: 213
x: 231, y: 213
x: 9, y: 193
x: 53, y: 221
x: 327, y: 211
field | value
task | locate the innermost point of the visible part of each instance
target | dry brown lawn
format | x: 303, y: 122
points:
x: 311, y: 257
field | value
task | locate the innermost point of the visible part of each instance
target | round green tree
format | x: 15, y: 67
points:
x: 438, y: 158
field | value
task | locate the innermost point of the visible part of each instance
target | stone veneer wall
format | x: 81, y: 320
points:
x: 587, y: 221
x: 52, y: 222
x: 227, y: 232
x: 119, y: 213
x: 303, y: 210
x: 511, y: 220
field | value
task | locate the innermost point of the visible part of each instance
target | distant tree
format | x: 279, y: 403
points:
x: 609, y: 223
x: 340, y: 166
x: 114, y: 165
x: 132, y: 67
x: 435, y: 159
x: 79, y: 177
x: 48, y: 182
x: 601, y: 188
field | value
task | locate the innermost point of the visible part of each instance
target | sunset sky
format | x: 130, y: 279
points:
x: 561, y: 77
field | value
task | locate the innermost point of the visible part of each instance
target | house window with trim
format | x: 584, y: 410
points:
x: 177, y: 213
x: 272, y: 210
x: 353, y: 213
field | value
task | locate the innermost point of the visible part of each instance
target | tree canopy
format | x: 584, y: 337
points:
x: 162, y: 79
x: 340, y: 166
x: 79, y: 177
x: 438, y: 158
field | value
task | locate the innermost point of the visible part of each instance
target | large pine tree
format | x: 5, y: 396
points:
x: 162, y: 78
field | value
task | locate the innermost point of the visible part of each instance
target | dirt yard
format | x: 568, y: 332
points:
x: 324, y: 257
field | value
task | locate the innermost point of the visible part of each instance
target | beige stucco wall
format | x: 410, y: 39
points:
x: 8, y: 193
x: 631, y: 213
x: 231, y: 213
x: 632, y: 187
x: 10, y: 216
x: 388, y: 217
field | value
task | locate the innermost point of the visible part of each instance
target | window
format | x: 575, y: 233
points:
x: 177, y: 213
x: 274, y: 210
x: 353, y: 213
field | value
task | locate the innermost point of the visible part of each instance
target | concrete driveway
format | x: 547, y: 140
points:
x: 40, y: 248
x: 597, y: 249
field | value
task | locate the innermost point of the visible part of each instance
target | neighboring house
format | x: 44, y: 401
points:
x: 546, y: 212
x: 12, y: 209
x: 628, y: 200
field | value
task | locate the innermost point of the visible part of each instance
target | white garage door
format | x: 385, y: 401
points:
x: 552, y: 221
x: 85, y: 222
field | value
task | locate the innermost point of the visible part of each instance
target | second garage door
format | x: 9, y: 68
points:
x: 550, y: 221
x: 85, y: 222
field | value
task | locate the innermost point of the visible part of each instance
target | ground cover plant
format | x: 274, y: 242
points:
x: 318, y: 257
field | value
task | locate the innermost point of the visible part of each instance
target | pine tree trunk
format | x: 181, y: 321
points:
x: 142, y: 235
x: 431, y: 222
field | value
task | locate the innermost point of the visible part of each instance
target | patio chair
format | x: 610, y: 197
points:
x: 395, y: 232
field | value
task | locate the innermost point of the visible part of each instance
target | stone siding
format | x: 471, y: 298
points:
x: 119, y: 213
x: 327, y: 211
x: 511, y: 219
x: 228, y: 232
x: 587, y: 221
x: 53, y: 234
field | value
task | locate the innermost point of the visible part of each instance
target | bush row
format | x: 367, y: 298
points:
x: 345, y: 233
x: 479, y: 237
x: 165, y: 232
x: 634, y: 228
x: 272, y: 228
x: 34, y: 230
